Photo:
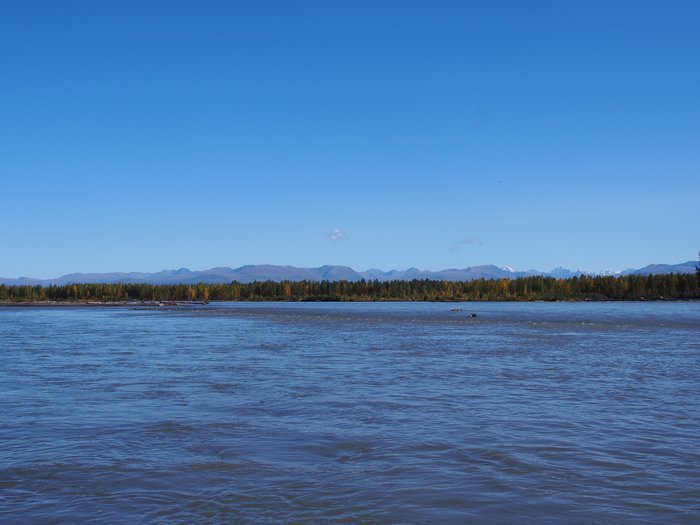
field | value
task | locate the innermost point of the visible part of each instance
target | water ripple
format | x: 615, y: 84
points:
x: 346, y: 413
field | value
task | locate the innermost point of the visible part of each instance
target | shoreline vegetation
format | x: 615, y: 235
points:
x: 538, y: 288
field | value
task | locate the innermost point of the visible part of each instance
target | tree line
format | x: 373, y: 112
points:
x: 536, y: 288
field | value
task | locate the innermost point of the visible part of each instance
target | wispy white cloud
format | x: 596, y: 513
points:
x: 466, y: 241
x: 338, y: 235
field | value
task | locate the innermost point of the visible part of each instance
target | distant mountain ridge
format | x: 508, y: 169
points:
x: 269, y: 272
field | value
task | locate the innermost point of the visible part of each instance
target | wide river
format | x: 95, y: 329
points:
x: 351, y: 413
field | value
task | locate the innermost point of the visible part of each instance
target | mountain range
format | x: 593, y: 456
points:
x: 268, y: 272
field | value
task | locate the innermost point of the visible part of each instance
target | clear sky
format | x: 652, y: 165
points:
x: 138, y: 136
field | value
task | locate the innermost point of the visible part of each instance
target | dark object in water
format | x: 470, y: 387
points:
x: 472, y: 314
x: 455, y: 309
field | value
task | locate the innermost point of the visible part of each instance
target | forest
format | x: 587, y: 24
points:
x: 537, y: 288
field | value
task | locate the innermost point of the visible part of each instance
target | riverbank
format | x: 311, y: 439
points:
x: 69, y: 304
x: 155, y: 304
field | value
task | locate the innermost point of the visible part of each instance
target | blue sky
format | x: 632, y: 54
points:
x: 137, y: 136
